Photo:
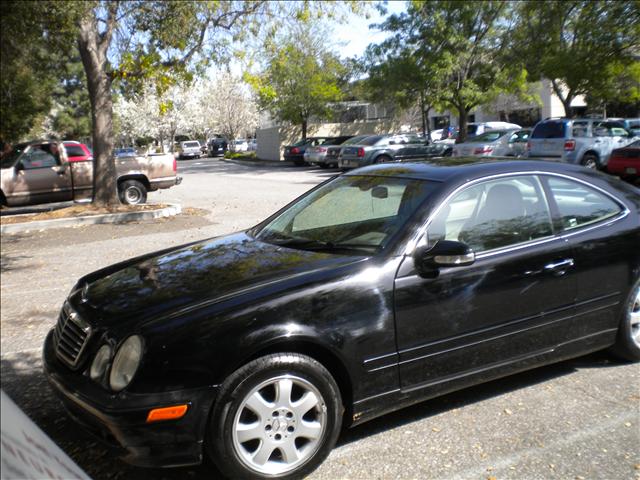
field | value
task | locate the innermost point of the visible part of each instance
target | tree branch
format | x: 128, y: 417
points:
x: 105, y: 41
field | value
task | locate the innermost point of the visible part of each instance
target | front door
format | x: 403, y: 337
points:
x: 40, y: 177
x: 510, y: 305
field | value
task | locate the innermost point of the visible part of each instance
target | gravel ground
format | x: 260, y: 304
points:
x: 575, y: 420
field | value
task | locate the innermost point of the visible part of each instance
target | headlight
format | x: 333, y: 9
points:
x: 100, y: 362
x: 125, y: 363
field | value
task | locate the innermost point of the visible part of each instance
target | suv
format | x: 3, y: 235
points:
x: 585, y: 141
x: 189, y: 149
x: 217, y: 146
x: 384, y: 148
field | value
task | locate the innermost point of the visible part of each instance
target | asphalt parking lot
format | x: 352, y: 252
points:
x: 575, y: 420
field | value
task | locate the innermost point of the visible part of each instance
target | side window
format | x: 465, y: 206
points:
x: 580, y: 129
x: 494, y: 214
x: 38, y: 157
x: 579, y: 205
x: 74, y: 151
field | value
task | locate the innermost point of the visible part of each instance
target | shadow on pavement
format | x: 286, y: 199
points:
x: 24, y: 382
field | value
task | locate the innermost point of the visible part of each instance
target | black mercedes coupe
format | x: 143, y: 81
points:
x: 375, y: 290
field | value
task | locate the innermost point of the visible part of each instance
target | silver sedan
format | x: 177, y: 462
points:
x: 494, y: 143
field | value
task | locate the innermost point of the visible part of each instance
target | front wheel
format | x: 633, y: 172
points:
x: 132, y: 192
x: 277, y: 417
x: 627, y: 344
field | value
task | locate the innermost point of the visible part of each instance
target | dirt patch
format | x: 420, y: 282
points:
x: 78, y: 211
x: 195, y: 212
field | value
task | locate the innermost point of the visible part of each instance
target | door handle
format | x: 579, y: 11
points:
x: 560, y: 267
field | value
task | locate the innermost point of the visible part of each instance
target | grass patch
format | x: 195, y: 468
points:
x: 240, y: 155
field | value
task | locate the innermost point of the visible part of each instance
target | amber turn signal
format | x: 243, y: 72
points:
x: 166, y: 413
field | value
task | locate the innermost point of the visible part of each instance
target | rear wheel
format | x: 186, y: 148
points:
x: 627, y: 344
x: 132, y: 192
x: 277, y: 417
x: 324, y: 165
x: 382, y: 159
x: 590, y: 161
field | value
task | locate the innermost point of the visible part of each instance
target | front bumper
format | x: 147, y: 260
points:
x: 119, y: 420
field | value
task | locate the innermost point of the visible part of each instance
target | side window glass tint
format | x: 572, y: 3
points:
x: 38, y: 158
x: 580, y: 129
x: 580, y: 205
x: 494, y: 214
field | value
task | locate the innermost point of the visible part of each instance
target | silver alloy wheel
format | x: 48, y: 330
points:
x: 132, y: 195
x: 279, y: 425
x: 634, y: 319
x: 590, y: 162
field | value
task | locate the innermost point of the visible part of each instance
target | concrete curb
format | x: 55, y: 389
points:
x: 168, y: 211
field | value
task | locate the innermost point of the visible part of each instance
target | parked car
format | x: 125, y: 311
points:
x: 249, y: 348
x: 625, y: 162
x: 333, y: 152
x: 475, y: 129
x: 216, y: 146
x: 383, y: 148
x: 240, y: 145
x: 295, y: 153
x: 318, y: 155
x: 77, y: 152
x: 494, y: 143
x: 584, y: 141
x: 252, y: 145
x: 125, y: 152
x: 631, y: 124
x: 189, y: 149
x: 43, y: 172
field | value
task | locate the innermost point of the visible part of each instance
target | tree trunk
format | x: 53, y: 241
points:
x: 463, y: 114
x: 304, y: 129
x: 94, y: 59
x: 565, y: 99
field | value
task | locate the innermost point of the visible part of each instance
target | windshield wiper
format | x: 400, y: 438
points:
x: 311, y: 244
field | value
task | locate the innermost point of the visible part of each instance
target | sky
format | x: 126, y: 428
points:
x: 354, y: 36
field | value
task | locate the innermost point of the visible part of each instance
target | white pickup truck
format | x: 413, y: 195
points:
x: 52, y: 171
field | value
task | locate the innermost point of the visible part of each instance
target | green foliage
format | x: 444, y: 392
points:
x: 585, y: 47
x: 31, y: 54
x: 240, y: 155
x: 301, y: 80
x: 452, y: 52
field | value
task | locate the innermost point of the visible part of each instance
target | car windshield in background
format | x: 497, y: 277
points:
x: 12, y: 157
x: 356, y: 140
x: 489, y: 136
x: 335, y: 141
x: 191, y: 144
x: 372, y: 140
x: 549, y: 130
x: 351, y: 213
x: 301, y: 143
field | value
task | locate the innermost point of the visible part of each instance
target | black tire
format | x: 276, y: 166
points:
x: 299, y: 163
x: 132, y: 192
x: 625, y: 346
x: 227, y: 452
x: 382, y: 159
x: 590, y: 160
x: 323, y: 165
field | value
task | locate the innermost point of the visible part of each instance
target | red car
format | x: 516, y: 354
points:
x: 77, y: 152
x: 625, y: 162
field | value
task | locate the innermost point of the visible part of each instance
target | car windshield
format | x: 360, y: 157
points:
x: 549, y: 130
x: 489, y: 136
x: 350, y: 213
x: 372, y: 140
x: 356, y: 140
x: 191, y: 144
x: 12, y: 157
x: 301, y: 143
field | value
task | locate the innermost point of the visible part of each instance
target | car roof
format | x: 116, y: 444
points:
x: 462, y: 168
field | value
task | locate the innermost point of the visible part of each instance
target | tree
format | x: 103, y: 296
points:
x: 301, y: 79
x: 582, y: 47
x: 230, y: 109
x: 461, y: 49
x: 30, y: 58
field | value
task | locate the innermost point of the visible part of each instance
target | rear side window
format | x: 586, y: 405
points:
x: 74, y: 151
x: 579, y: 205
x: 549, y: 130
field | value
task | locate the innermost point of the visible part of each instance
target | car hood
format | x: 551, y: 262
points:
x: 218, y: 268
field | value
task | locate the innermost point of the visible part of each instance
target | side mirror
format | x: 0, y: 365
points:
x: 19, y: 166
x: 445, y: 253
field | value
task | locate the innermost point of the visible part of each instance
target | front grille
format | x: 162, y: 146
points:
x: 70, y: 336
